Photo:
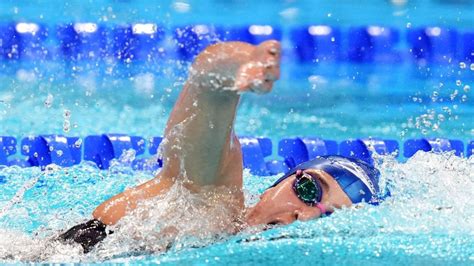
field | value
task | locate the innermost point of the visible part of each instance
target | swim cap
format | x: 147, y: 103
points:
x: 357, y: 179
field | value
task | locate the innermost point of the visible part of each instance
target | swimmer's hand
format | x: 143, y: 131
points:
x: 86, y: 234
x: 263, y: 69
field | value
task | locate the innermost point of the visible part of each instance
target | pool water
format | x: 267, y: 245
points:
x: 428, y: 219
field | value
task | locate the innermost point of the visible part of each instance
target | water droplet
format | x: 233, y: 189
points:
x: 59, y: 153
x: 49, y: 101
x: 441, y: 117
x: 67, y: 113
x: 51, y: 148
x: 66, y: 126
x: 464, y: 98
x: 78, y: 143
x: 26, y: 148
x: 467, y: 88
x: 35, y: 154
x: 462, y: 65
x: 458, y: 82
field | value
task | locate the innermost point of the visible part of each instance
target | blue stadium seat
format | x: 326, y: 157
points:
x: 254, y: 151
x: 7, y: 148
x: 316, y: 43
x: 275, y: 167
x: 8, y: 42
x: 261, y: 33
x: 30, y: 38
x: 145, y: 163
x: 154, y: 145
x: 142, y: 42
x: 470, y: 149
x: 48, y: 149
x: 433, y: 44
x: 298, y: 150
x: 191, y: 40
x: 372, y: 43
x: 253, y: 34
x: 82, y: 41
x: 101, y: 149
x: 467, y: 52
x: 362, y: 148
x: 411, y: 146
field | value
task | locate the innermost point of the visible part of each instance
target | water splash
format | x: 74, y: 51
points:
x: 428, y: 218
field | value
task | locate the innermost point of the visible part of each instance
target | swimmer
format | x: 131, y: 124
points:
x: 201, y: 148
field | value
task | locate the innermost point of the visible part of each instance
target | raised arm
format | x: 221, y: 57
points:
x: 200, y: 145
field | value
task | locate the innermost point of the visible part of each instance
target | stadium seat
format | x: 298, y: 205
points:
x: 372, y: 44
x: 253, y: 34
x: 470, y: 149
x: 467, y: 52
x: 191, y: 40
x: 8, y: 42
x: 142, y: 42
x: 433, y: 44
x: 82, y: 41
x: 254, y: 151
x: 316, y: 43
x: 362, y: 148
x: 144, y: 163
x: 7, y: 148
x: 31, y: 38
x: 101, y: 149
x: 411, y: 146
x: 298, y: 150
x: 52, y: 149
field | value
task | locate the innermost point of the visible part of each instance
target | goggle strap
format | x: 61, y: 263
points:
x: 321, y: 208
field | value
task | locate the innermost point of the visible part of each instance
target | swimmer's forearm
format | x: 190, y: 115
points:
x: 113, y: 209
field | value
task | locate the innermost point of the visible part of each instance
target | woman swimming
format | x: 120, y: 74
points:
x: 201, y: 150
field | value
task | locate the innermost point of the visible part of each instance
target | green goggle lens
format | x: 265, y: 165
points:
x: 306, y: 189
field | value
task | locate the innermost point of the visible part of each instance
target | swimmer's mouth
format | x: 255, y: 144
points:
x: 272, y: 225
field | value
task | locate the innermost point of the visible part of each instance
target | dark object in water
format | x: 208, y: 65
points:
x: 87, y: 234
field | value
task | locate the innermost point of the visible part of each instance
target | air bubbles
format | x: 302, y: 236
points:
x: 464, y: 98
x: 467, y: 88
x: 472, y: 66
x: 453, y: 95
x: 67, y: 113
x: 49, y: 101
x: 462, y: 65
x: 458, y: 83
x: 441, y: 117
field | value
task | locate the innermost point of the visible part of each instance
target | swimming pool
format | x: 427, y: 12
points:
x: 428, y: 219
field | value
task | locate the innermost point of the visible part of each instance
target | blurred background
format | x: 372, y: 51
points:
x: 394, y: 69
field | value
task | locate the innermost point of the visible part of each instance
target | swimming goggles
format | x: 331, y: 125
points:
x: 308, y: 190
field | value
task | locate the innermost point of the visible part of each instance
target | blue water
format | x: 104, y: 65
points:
x: 428, y: 220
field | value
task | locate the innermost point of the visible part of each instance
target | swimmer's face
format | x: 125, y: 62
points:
x: 280, y: 205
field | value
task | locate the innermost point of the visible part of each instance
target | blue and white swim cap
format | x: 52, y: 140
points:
x: 359, y: 180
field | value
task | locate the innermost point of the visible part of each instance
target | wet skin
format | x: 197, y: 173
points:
x: 201, y: 148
